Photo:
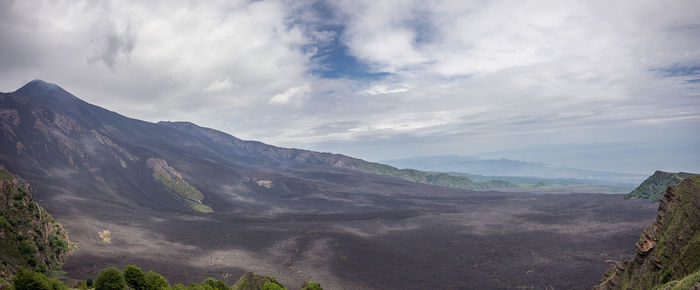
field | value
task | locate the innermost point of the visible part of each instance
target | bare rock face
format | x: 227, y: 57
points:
x: 668, y: 252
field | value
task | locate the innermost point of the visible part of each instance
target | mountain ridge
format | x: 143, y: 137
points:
x: 512, y: 168
x: 654, y: 186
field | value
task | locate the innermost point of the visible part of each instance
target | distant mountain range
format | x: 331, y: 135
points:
x: 500, y: 168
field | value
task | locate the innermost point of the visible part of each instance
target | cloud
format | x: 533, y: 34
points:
x: 115, y: 42
x: 377, y: 79
x: 291, y: 93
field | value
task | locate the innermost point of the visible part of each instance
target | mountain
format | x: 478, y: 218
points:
x: 513, y: 168
x: 192, y: 202
x: 550, y: 185
x: 668, y: 252
x: 340, y: 161
x: 29, y: 236
x: 654, y: 186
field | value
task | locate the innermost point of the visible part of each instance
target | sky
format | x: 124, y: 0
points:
x: 386, y: 79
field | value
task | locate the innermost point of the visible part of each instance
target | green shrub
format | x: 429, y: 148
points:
x: 4, y: 224
x: 41, y: 268
x: 134, y: 277
x: 155, y: 281
x: 110, y: 279
x: 30, y: 280
x: 89, y: 282
x: 311, y: 285
x: 273, y: 286
x: 31, y: 261
x: 215, y: 284
x: 20, y: 195
x: 57, y: 285
x: 58, y: 244
x: 26, y: 248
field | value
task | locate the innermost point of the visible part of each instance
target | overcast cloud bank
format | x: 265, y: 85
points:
x: 379, y: 79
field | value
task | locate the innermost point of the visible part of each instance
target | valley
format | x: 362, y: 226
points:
x: 191, y: 202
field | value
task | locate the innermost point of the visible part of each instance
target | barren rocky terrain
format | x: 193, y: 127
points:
x: 224, y: 206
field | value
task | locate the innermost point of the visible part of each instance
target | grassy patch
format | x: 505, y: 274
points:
x: 5, y: 175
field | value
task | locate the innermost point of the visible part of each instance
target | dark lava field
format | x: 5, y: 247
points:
x: 192, y: 202
x: 463, y: 240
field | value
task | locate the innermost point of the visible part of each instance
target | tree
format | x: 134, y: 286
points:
x: 273, y: 286
x: 57, y: 285
x: 30, y: 280
x: 110, y: 279
x: 155, y: 281
x: 134, y: 277
x: 215, y: 284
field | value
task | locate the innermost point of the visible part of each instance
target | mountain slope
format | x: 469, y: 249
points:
x: 669, y: 250
x: 334, y: 160
x: 134, y: 192
x: 29, y: 236
x: 654, y: 186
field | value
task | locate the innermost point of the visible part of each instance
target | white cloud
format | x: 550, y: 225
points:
x: 291, y: 93
x: 463, y: 76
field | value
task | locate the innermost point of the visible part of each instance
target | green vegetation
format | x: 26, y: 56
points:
x: 654, y: 186
x: 684, y: 284
x: 311, y: 285
x: 668, y: 252
x: 110, y: 279
x: 251, y: 281
x: 155, y: 281
x: 198, y: 206
x: 180, y: 187
x: 5, y: 175
x: 132, y: 277
x: 432, y: 178
x: 173, y: 182
x: 29, y: 280
x: 273, y: 286
x: 215, y: 284
x: 29, y: 236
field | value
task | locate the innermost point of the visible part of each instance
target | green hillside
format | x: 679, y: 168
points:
x: 29, y: 236
x: 668, y: 252
x: 432, y: 178
x: 654, y: 186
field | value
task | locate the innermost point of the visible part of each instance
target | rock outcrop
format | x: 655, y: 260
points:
x: 668, y: 252
x: 29, y: 235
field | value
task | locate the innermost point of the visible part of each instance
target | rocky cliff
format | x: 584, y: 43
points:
x: 668, y: 252
x: 29, y: 236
